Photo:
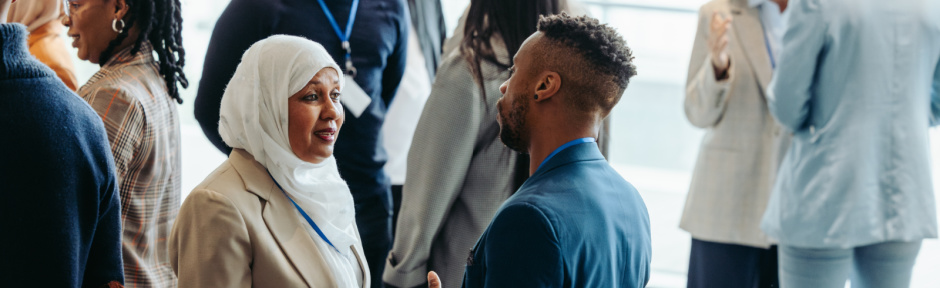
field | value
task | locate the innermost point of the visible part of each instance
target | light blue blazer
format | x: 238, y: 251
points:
x: 858, y: 85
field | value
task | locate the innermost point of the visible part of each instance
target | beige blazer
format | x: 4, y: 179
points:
x: 237, y: 229
x: 743, y: 144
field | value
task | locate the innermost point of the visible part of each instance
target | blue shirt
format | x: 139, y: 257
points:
x: 774, y: 23
x: 857, y: 83
x: 566, y: 145
x: 574, y: 223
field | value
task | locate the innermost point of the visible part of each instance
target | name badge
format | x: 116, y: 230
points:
x: 354, y: 98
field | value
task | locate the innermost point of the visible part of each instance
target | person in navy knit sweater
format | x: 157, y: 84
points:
x: 59, y: 207
x: 378, y: 42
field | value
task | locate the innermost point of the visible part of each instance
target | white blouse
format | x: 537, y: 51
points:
x: 344, y: 265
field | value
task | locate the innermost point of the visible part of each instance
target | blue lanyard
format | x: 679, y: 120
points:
x: 310, y: 221
x: 770, y: 52
x: 566, y: 145
x: 344, y: 37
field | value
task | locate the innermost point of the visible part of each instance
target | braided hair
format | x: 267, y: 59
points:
x: 161, y: 23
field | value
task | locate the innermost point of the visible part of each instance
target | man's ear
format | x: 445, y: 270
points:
x: 549, y: 85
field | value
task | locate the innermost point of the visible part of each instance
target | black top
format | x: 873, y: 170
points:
x: 59, y: 206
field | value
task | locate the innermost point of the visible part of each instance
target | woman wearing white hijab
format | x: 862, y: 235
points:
x: 276, y: 213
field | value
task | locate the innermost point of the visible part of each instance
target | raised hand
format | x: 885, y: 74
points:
x: 718, y: 43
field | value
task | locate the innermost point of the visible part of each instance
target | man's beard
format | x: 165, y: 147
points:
x: 512, y: 127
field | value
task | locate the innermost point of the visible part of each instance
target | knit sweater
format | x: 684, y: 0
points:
x: 59, y: 208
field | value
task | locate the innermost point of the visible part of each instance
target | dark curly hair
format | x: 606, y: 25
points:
x: 603, y: 52
x: 161, y: 23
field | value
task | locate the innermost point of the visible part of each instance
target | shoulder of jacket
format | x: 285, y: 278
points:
x: 226, y: 182
x: 714, y: 5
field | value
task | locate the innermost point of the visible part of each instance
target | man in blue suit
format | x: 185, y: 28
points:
x: 575, y: 222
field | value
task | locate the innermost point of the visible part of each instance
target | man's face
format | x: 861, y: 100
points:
x: 518, y: 91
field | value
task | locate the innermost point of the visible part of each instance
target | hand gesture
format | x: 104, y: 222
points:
x: 718, y: 43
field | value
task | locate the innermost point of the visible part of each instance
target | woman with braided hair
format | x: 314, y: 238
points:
x: 135, y: 96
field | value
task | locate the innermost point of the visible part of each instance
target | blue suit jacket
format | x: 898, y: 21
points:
x: 574, y: 223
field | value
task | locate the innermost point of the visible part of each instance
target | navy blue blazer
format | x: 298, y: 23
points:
x: 574, y: 223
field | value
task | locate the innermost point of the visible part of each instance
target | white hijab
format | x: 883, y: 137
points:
x: 254, y: 117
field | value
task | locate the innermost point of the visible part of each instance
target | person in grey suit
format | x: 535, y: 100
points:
x: 459, y: 173
x: 732, y: 61
x: 423, y: 56
x: 858, y: 83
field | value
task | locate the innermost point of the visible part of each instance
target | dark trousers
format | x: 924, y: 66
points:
x: 396, y: 206
x: 374, y: 223
x: 713, y: 264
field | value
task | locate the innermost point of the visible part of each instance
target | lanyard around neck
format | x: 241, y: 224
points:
x: 344, y: 37
x: 307, y: 217
x: 770, y: 52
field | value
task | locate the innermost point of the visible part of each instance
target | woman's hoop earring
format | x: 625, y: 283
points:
x: 115, y: 23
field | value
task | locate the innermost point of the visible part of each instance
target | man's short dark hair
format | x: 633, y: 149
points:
x: 602, y: 50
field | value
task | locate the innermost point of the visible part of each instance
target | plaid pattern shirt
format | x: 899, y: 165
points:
x: 143, y: 129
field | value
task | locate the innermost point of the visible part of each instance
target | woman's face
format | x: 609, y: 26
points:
x: 315, y: 116
x: 89, y: 23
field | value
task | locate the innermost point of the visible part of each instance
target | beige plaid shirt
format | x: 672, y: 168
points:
x: 143, y: 129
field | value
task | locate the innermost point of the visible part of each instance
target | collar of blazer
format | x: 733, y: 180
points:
x: 576, y: 153
x: 750, y: 35
x: 285, y: 224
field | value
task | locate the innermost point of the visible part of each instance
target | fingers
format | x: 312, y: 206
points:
x: 717, y: 20
x: 719, y: 25
x: 722, y: 45
x: 718, y: 40
x: 433, y: 280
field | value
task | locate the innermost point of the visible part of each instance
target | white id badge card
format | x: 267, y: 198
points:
x: 354, y: 98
